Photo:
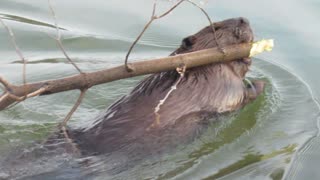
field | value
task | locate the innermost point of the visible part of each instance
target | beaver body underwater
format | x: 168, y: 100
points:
x: 128, y: 126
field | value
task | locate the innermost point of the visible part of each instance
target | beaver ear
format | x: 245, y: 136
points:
x: 188, y: 42
x: 217, y: 25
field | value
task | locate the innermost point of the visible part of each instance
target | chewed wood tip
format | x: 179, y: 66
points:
x: 261, y: 46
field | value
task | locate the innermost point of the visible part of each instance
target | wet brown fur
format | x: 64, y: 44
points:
x: 204, y: 92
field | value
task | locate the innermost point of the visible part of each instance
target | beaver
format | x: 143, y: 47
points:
x: 128, y: 125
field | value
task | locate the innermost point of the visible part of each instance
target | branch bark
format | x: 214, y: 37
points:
x: 190, y: 60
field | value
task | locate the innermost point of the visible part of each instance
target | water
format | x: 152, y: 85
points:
x: 275, y: 137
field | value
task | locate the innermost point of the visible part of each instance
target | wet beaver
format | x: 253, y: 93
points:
x: 203, y: 93
x: 124, y: 134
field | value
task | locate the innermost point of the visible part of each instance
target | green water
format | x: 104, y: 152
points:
x: 275, y: 137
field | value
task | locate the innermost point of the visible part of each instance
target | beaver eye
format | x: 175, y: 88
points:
x: 244, y: 21
x: 216, y: 28
x: 217, y: 25
x: 187, y: 42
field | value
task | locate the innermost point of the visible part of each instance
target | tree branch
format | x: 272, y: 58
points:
x: 18, y: 51
x: 192, y: 59
x: 153, y: 17
x: 58, y: 38
x: 63, y: 125
x: 74, y: 108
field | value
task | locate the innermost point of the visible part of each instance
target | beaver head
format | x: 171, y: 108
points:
x: 203, y: 91
x: 227, y: 32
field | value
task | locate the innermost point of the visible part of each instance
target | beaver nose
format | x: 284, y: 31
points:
x: 244, y: 20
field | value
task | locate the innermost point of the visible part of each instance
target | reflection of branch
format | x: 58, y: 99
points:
x: 153, y: 17
x: 18, y: 51
x: 58, y: 38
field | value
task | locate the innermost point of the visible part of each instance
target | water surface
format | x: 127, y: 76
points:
x: 275, y: 137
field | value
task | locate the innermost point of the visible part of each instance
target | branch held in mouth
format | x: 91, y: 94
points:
x: 193, y: 59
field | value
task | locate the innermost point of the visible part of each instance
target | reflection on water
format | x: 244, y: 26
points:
x: 271, y: 138
x: 25, y: 20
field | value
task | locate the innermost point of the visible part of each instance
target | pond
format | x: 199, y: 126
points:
x: 276, y: 137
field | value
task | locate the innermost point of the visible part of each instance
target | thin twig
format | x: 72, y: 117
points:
x: 36, y: 93
x: 33, y: 94
x: 16, y: 98
x: 4, y: 96
x: 129, y: 69
x: 69, y: 140
x: 153, y: 17
x: 74, y: 108
x: 68, y: 117
x: 211, y: 25
x: 58, y: 38
x: 19, y: 52
x: 171, y: 9
x: 154, y: 9
x: 4, y: 82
